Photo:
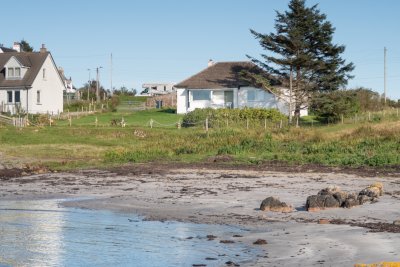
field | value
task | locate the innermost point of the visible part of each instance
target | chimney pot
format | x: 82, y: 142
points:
x: 211, y: 62
x: 43, y: 49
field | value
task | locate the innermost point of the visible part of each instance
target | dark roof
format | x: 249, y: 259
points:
x: 33, y: 60
x: 220, y: 75
x: 6, y: 50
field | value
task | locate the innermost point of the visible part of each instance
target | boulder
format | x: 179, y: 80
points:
x: 274, y: 204
x: 321, y: 202
x: 374, y: 191
x: 351, y: 201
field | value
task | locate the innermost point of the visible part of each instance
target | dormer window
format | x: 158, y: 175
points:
x: 14, y: 73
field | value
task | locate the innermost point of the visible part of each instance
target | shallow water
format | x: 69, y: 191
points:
x: 43, y: 233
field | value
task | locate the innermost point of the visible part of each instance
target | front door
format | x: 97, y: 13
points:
x: 228, y: 98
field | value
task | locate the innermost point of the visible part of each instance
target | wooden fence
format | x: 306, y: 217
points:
x: 17, y: 122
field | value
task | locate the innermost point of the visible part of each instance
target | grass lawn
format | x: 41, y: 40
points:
x: 84, y: 145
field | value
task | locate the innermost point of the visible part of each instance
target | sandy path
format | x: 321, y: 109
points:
x: 233, y: 197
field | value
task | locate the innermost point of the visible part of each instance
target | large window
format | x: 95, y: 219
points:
x: 17, y: 97
x: 201, y: 95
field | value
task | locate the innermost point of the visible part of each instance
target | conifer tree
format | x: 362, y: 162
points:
x: 302, y: 55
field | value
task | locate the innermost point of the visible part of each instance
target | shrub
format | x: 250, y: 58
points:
x: 221, y: 116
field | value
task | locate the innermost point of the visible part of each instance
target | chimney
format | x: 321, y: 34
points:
x: 17, y: 47
x: 43, y: 49
x: 211, y: 62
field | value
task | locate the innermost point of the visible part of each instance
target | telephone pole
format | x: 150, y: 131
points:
x: 111, y: 73
x: 384, y: 79
x: 89, y: 85
x: 97, y: 85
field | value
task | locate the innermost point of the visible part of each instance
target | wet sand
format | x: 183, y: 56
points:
x: 232, y: 196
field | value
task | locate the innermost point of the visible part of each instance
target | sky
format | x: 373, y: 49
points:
x: 170, y: 40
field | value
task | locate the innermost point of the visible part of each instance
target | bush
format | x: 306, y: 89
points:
x: 329, y: 107
x: 220, y: 116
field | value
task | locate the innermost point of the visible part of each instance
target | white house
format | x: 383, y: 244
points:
x: 221, y: 85
x: 30, y: 83
x: 152, y: 89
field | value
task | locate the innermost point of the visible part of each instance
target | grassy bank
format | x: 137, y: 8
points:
x: 84, y: 145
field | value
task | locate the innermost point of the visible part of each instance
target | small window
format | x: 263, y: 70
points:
x: 255, y: 95
x: 44, y: 73
x: 165, y: 88
x: 17, y: 97
x: 251, y: 95
x: 38, y: 97
x: 17, y: 72
x: 10, y: 72
x: 9, y: 96
x: 201, y: 95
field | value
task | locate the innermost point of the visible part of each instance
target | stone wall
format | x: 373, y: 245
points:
x: 168, y: 100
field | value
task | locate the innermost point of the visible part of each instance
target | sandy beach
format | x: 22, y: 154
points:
x: 363, y: 234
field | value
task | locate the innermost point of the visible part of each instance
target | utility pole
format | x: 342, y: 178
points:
x: 111, y: 73
x: 384, y: 82
x: 88, y: 88
x: 97, y: 85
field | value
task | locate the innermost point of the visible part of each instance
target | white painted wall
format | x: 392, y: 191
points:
x: 181, y: 101
x: 51, y: 90
x: 264, y: 99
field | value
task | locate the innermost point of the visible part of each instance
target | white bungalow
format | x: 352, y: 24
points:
x: 30, y: 82
x: 221, y: 85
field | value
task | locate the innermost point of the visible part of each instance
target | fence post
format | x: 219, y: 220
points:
x: 207, y: 125
x: 50, y: 121
x: 96, y: 121
x: 151, y: 123
x: 265, y: 124
x: 297, y: 121
x: 247, y: 123
x: 123, y: 122
x: 70, y: 121
x: 281, y: 124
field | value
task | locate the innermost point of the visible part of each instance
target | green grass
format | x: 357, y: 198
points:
x: 374, y: 144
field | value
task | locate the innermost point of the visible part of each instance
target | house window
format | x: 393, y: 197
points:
x: 255, y: 95
x: 251, y: 95
x: 11, y: 72
x: 17, y: 72
x: 165, y: 88
x: 44, y: 73
x: 201, y: 95
x: 38, y: 97
x: 17, y: 97
x: 9, y: 97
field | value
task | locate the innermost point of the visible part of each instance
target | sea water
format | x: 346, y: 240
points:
x: 44, y: 233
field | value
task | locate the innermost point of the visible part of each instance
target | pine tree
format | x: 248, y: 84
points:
x: 302, y: 55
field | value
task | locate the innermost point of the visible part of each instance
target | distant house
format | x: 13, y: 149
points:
x: 30, y: 82
x: 154, y: 89
x: 70, y: 92
x: 221, y: 85
x: 6, y: 50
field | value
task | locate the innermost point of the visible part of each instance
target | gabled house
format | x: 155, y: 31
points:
x: 221, y: 85
x: 30, y: 83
